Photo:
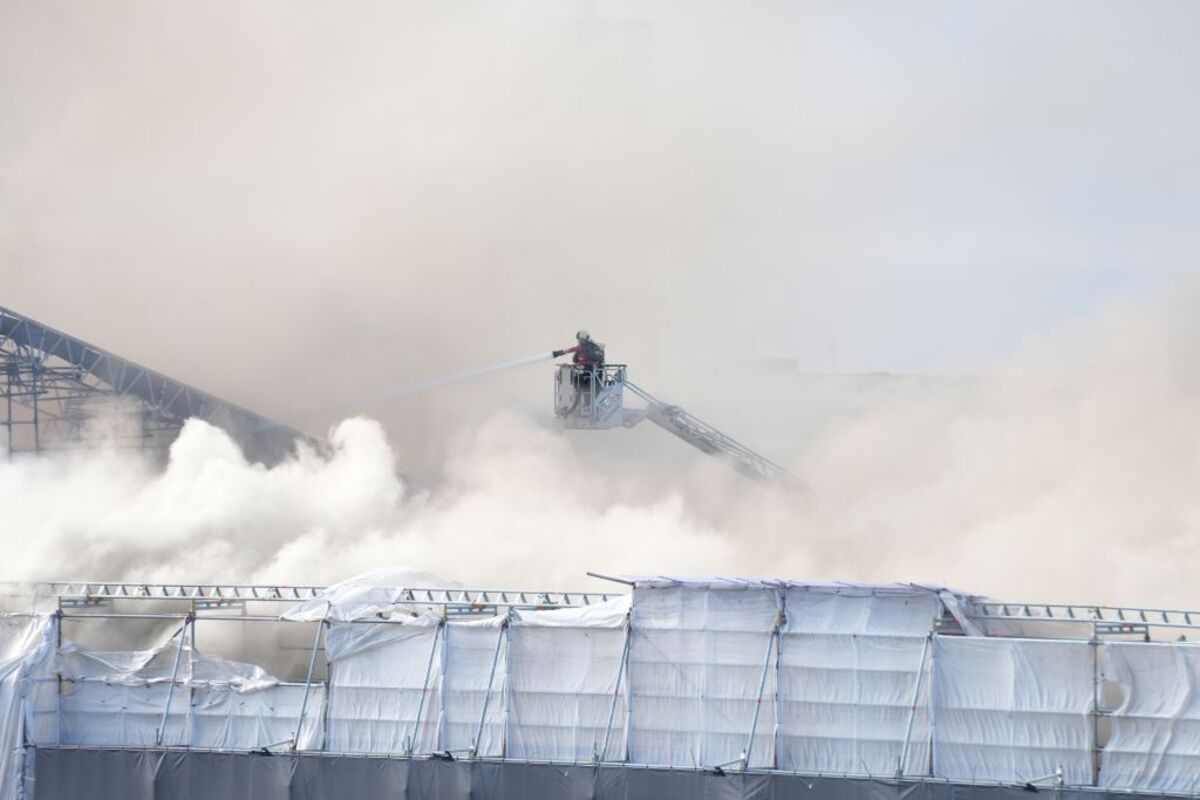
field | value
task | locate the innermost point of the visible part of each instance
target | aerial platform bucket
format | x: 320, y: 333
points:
x: 590, y: 397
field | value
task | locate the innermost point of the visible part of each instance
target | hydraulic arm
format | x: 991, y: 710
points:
x: 592, y: 397
x: 703, y: 436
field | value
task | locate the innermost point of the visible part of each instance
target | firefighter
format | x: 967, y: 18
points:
x: 586, y: 353
x: 588, y: 358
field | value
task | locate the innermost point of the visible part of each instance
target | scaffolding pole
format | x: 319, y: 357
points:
x: 1095, y: 643
x: 437, y: 632
x: 439, y: 736
x: 932, y: 707
x: 762, y: 687
x: 58, y: 683
x: 191, y: 712
x: 500, y: 638
x: 612, y: 708
x: 912, y: 707
x: 312, y: 665
x: 162, y: 726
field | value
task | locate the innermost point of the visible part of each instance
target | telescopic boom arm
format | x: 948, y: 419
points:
x: 701, y: 435
x: 592, y: 397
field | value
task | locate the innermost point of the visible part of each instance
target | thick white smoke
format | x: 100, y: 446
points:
x: 1070, y: 473
x: 518, y: 508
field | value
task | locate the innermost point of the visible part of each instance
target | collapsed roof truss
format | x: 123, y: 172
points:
x: 54, y: 386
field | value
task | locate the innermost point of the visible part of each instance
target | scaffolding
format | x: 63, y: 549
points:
x: 204, y: 597
x: 486, y: 674
x: 1103, y: 621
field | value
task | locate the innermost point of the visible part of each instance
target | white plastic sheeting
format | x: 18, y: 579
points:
x: 140, y: 667
x: 118, y: 715
x: 41, y: 694
x: 675, y: 679
x: 1012, y: 710
x: 612, y: 613
x: 473, y: 687
x: 124, y: 667
x: 101, y: 714
x: 696, y: 662
x: 1155, y: 740
x: 417, y: 686
x: 384, y: 686
x: 230, y: 720
x: 117, y: 699
x: 851, y: 662
x: 420, y: 685
x: 24, y: 640
x: 565, y: 683
x: 379, y: 593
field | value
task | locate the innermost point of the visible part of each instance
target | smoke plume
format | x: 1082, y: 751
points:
x: 1067, y: 473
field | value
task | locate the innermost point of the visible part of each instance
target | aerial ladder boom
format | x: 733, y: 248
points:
x: 702, y: 436
x: 592, y: 398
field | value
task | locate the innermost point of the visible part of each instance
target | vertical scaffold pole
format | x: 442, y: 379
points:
x: 23, y: 760
x: 191, y: 712
x: 912, y: 707
x: 612, y: 708
x: 312, y: 665
x: 629, y: 693
x: 762, y: 687
x: 779, y: 682
x: 162, y: 725
x: 416, y: 735
x: 506, y: 690
x: 58, y: 684
x: 500, y: 637
x: 933, y: 688
x: 439, y: 734
x: 325, y: 701
x: 1095, y: 703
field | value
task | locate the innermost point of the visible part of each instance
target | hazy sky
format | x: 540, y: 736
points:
x: 279, y: 198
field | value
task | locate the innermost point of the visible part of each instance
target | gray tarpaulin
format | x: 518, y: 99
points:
x: 99, y: 774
